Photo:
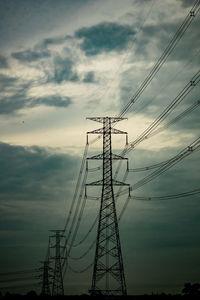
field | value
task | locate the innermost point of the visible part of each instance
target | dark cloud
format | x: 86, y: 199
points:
x: 104, y: 37
x: 35, y: 184
x: 63, y: 70
x: 17, y: 97
x: 33, y: 173
x: 11, y: 104
x: 6, y: 81
x: 89, y: 77
x: 3, y: 62
x: 54, y: 40
x: 186, y: 3
x: 158, y: 37
x: 56, y: 101
x: 31, y: 55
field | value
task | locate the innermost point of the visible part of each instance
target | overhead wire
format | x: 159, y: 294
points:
x: 167, y: 197
x: 193, y: 147
x: 177, y: 100
x: 178, y: 35
x: 177, y: 118
x: 77, y: 186
x: 171, y: 80
x: 85, y: 253
x: 89, y: 231
x: 66, y: 250
x: 147, y: 168
x: 157, y: 66
x: 83, y: 270
x: 150, y: 130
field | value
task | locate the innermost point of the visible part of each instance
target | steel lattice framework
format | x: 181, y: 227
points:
x: 108, y: 273
x: 45, y: 278
x: 57, y: 288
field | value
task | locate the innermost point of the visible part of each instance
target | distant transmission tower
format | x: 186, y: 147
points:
x: 108, y: 273
x: 57, y: 288
x: 45, y: 278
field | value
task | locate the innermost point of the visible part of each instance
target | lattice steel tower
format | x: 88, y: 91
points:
x: 108, y: 273
x: 57, y: 288
x: 45, y: 278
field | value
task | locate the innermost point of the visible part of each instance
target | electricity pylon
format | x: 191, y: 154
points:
x: 57, y: 288
x: 108, y: 273
x: 45, y: 278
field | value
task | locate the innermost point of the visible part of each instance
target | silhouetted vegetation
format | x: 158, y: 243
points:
x: 189, y: 290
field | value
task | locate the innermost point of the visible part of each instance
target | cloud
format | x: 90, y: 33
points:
x: 89, y: 77
x: 11, y: 104
x: 157, y: 38
x: 15, y: 96
x: 186, y: 3
x: 16, y: 102
x: 3, y: 62
x: 36, y: 184
x: 56, y: 101
x: 54, y: 41
x: 31, y: 55
x: 63, y: 70
x: 6, y: 81
x: 33, y: 173
x: 104, y: 37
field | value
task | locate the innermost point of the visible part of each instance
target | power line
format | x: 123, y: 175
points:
x: 164, y: 56
x: 193, y: 147
x: 184, y: 153
x: 66, y: 251
x: 178, y: 35
x: 77, y: 185
x: 177, y: 118
x: 81, y: 271
x: 167, y: 197
x: 184, y: 92
x: 150, y: 130
x: 89, y: 231
x: 172, y: 79
x: 85, y: 253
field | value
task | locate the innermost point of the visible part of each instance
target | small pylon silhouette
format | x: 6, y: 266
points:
x: 57, y: 288
x: 45, y: 278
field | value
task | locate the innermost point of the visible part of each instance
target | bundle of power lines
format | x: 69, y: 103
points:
x: 79, y: 200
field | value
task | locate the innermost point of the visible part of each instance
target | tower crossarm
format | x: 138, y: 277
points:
x: 114, y: 182
x: 101, y: 119
x: 114, y: 157
x: 113, y: 131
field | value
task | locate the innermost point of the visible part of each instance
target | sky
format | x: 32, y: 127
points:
x: 61, y: 62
